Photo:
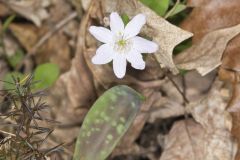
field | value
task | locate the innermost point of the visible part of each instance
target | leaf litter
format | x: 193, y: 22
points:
x: 209, y: 132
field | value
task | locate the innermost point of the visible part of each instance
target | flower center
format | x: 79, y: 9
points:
x: 122, y: 46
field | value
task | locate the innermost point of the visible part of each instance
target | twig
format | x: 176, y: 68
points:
x: 179, y: 90
x: 54, y: 30
x: 45, y: 38
x: 186, y: 102
x: 11, y: 134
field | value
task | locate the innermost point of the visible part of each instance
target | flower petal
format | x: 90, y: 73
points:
x: 102, y: 34
x: 136, y: 60
x: 134, y: 26
x: 104, y: 54
x: 116, y: 23
x: 119, y: 65
x: 144, y: 46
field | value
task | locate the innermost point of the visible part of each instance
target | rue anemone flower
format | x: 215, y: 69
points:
x: 121, y: 44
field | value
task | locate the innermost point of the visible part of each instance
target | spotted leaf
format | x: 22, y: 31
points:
x: 106, y: 122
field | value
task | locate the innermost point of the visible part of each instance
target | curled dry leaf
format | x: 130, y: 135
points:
x: 165, y: 34
x: 212, y: 15
x: 210, y: 140
x: 206, y: 55
x: 33, y: 10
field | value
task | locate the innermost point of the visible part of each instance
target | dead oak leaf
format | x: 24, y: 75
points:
x: 206, y: 55
x: 208, y: 137
x: 165, y: 34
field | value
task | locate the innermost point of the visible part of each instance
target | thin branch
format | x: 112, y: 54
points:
x: 4, y: 132
x: 49, y: 34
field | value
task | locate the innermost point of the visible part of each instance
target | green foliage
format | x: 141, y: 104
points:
x: 183, y: 72
x: 177, y: 9
x: 15, y: 59
x: 159, y: 6
x: 7, y: 23
x: 47, y: 74
x: 182, y: 46
x: 106, y: 122
x: 125, y: 18
x: 9, y: 85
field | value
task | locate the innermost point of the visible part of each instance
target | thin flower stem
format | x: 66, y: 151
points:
x: 179, y: 90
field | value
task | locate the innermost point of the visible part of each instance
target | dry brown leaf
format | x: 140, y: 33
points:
x: 229, y: 72
x: 206, y: 55
x: 211, y: 140
x: 196, y: 3
x: 178, y: 146
x: 210, y: 16
x: 213, y: 15
x: 217, y: 122
x: 31, y: 9
x: 4, y: 11
x: 166, y: 35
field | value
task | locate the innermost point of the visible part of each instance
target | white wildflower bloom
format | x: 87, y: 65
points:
x: 121, y: 44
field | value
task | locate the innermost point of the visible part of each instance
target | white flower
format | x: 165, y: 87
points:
x: 121, y: 44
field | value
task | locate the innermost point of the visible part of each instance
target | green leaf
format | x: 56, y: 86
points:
x: 47, y: 74
x: 159, y: 6
x: 125, y: 18
x: 179, y: 8
x: 9, y: 78
x: 7, y: 23
x: 183, y: 72
x: 16, y: 58
x: 106, y: 122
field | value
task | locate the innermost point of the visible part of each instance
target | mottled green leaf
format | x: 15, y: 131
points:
x: 47, y: 74
x: 159, y: 6
x: 106, y: 122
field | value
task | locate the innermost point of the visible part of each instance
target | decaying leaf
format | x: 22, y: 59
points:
x: 208, y: 139
x: 166, y: 35
x: 178, y: 146
x: 212, y: 15
x: 206, y: 55
x: 31, y: 9
x: 229, y: 72
x: 209, y: 16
